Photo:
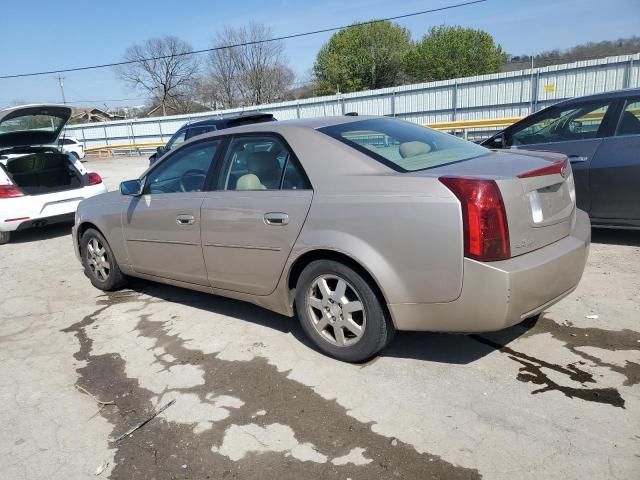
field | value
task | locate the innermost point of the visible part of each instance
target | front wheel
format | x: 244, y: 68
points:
x: 99, y: 263
x: 5, y: 237
x: 340, y: 312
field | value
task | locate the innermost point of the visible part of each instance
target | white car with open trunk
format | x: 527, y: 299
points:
x: 39, y: 183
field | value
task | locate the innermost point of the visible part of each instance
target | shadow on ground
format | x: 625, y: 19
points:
x: 629, y: 238
x: 427, y: 346
x: 47, y: 232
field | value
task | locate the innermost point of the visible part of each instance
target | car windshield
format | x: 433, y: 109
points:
x: 24, y: 123
x: 404, y: 146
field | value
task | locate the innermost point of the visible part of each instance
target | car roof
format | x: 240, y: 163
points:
x: 306, y: 123
x: 627, y: 92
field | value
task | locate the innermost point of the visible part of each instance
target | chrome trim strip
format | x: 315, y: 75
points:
x: 248, y: 247
x: 172, y: 242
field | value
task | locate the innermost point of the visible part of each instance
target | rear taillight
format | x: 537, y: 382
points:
x: 9, y: 191
x: 94, y: 179
x: 561, y: 168
x: 486, y: 233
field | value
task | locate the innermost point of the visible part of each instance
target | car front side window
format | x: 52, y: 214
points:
x: 184, y: 171
x: 576, y: 122
x: 176, y: 139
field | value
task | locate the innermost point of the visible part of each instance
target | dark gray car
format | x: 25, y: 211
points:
x: 601, y: 136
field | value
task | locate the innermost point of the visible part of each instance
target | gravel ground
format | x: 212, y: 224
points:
x: 554, y: 399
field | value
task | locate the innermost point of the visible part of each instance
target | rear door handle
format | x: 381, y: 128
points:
x: 276, y: 218
x: 185, y: 220
x: 578, y: 159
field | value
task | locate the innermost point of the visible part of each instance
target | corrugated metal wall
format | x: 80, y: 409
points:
x: 508, y: 94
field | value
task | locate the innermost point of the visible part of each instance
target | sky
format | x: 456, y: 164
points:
x: 42, y: 35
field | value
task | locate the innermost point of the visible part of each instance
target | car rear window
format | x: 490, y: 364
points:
x: 404, y: 146
x: 24, y: 123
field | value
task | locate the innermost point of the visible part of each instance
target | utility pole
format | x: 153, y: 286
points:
x: 61, y: 81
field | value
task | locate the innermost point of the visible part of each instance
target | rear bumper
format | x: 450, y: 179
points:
x: 41, y: 222
x: 497, y: 295
x: 20, y: 213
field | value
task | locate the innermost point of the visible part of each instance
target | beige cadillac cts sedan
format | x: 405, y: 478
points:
x: 360, y: 225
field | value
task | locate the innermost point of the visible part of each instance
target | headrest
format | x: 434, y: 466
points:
x: 249, y: 182
x: 413, y: 149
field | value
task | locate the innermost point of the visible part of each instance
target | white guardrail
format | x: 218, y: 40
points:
x: 495, y: 96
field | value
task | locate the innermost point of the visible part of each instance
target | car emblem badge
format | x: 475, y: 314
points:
x: 565, y: 171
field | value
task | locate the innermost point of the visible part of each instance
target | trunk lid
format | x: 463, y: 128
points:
x: 538, y: 195
x: 31, y: 125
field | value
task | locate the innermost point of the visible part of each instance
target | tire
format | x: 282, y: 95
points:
x: 75, y: 155
x: 101, y: 267
x: 5, y: 237
x: 322, y: 305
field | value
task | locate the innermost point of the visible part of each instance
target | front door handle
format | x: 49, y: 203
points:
x: 578, y: 159
x: 276, y: 218
x: 185, y: 220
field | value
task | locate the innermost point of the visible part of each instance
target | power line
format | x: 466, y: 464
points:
x: 275, y: 39
x: 74, y: 102
x: 107, y: 100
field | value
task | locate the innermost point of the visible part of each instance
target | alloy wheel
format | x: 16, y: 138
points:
x: 336, y: 310
x: 97, y: 260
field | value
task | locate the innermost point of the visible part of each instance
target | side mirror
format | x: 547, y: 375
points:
x: 131, y: 187
x: 499, y: 141
x: 159, y: 151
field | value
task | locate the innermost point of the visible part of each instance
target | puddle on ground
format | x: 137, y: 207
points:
x: 166, y: 449
x: 532, y: 371
x: 575, y: 337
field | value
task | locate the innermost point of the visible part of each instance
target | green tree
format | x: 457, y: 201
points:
x: 362, y: 57
x: 453, y: 52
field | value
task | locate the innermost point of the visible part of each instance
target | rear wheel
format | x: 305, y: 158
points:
x: 340, y: 312
x: 5, y: 237
x: 99, y: 263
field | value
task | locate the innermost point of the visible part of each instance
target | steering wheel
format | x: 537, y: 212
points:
x: 192, y: 180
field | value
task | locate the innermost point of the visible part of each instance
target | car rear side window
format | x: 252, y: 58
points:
x: 630, y: 120
x: 261, y: 163
x: 403, y: 146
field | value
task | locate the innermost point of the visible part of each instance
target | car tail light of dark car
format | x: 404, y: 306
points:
x: 9, y: 191
x: 486, y: 233
x: 94, y: 179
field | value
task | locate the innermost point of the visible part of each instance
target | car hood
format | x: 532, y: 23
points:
x: 29, y: 125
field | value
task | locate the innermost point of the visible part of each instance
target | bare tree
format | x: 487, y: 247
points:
x: 252, y: 73
x: 222, y: 79
x: 161, y: 69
